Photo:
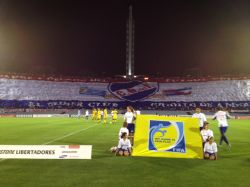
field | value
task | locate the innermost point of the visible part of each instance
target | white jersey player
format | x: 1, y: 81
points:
x: 201, y: 117
x: 79, y: 113
x: 210, y: 149
x: 87, y: 114
x: 129, y: 118
x: 221, y: 116
x: 138, y: 112
x: 206, y: 133
x: 124, y: 146
x: 123, y: 130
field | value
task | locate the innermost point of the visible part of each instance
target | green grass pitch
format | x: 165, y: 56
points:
x: 232, y: 168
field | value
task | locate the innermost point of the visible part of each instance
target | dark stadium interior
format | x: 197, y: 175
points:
x: 88, y: 37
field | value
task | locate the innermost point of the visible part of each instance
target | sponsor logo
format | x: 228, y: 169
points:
x: 60, y: 115
x: 69, y: 151
x: 24, y: 115
x: 74, y: 146
x: 134, y: 90
x: 63, y: 156
x: 166, y: 136
x: 7, y: 115
x: 74, y: 157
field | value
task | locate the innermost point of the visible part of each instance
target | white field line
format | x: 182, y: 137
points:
x: 61, y: 137
x: 67, y: 135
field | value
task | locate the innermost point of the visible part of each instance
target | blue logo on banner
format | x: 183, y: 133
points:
x: 166, y: 136
x: 134, y: 90
x: 92, y: 91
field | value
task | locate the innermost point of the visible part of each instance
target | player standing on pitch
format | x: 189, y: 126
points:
x: 105, y: 115
x: 87, y: 114
x: 94, y: 114
x: 99, y: 115
x: 114, y: 116
x: 221, y: 115
x: 201, y: 116
x: 79, y: 113
x: 129, y: 118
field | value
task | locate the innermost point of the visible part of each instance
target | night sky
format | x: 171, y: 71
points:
x: 89, y: 37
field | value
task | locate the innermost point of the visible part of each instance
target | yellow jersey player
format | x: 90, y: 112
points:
x: 94, y: 113
x: 99, y: 115
x: 114, y: 115
x: 111, y: 114
x: 105, y: 115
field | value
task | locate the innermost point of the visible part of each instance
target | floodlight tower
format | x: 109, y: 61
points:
x: 130, y: 45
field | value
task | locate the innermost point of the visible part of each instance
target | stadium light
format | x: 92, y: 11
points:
x: 145, y: 78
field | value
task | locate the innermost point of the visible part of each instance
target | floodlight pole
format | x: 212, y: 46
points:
x: 130, y: 45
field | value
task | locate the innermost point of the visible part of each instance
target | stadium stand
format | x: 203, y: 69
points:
x: 20, y: 91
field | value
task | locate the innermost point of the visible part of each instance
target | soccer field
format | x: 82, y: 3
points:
x: 232, y: 168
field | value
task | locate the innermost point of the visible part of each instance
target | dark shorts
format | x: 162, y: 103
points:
x: 223, y: 130
x: 120, y: 149
x: 210, y: 154
x: 131, y: 127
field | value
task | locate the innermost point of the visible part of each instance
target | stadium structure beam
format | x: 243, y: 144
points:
x: 130, y: 44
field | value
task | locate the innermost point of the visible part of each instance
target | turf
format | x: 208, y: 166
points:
x: 232, y: 168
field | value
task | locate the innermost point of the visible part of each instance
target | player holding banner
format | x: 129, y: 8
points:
x: 206, y: 133
x: 201, y: 117
x: 129, y: 118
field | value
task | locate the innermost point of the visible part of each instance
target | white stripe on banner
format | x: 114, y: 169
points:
x: 61, y: 137
x: 46, y: 151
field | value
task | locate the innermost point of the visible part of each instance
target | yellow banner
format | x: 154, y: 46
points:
x: 173, y: 137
